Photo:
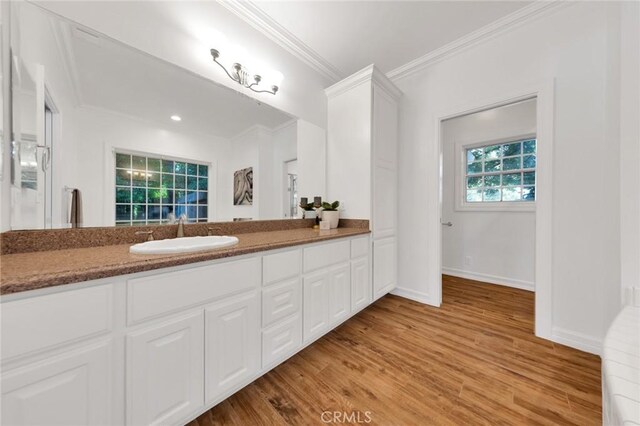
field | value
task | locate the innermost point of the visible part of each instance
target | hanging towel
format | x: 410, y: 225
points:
x: 75, y: 216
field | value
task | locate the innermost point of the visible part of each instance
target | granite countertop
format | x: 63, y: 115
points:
x: 29, y: 271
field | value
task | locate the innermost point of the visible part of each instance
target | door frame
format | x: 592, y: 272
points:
x: 544, y: 92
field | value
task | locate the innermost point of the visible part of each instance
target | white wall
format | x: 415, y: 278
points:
x: 573, y: 46
x: 312, y: 160
x: 285, y: 148
x: 630, y: 144
x: 500, y: 244
x: 100, y: 132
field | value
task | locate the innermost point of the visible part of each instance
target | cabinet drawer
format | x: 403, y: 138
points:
x: 279, y: 266
x: 359, y: 247
x: 170, y: 291
x: 281, y: 340
x: 326, y: 255
x: 280, y: 301
x: 42, y: 322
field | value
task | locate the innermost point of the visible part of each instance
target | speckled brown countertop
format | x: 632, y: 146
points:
x: 33, y: 270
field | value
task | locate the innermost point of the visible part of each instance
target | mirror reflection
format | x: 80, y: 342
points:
x: 108, y: 135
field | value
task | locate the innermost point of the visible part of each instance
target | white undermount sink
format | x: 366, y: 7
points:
x: 183, y: 245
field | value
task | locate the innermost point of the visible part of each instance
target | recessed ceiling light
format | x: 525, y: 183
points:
x: 176, y: 118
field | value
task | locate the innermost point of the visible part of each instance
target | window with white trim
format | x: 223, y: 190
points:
x: 150, y: 189
x: 500, y: 173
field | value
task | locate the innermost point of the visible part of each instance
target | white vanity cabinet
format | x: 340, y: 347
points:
x: 163, y: 346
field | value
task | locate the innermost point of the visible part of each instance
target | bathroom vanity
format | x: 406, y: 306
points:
x: 162, y: 346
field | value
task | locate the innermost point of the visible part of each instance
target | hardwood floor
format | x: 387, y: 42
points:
x: 473, y: 361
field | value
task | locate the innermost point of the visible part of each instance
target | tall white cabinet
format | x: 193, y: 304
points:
x: 362, y: 163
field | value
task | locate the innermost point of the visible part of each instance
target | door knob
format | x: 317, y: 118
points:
x: 446, y: 223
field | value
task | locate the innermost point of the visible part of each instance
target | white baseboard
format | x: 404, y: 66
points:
x: 414, y: 295
x: 492, y: 279
x: 576, y: 340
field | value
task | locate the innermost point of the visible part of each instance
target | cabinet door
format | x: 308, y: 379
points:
x: 69, y: 389
x: 384, y: 266
x: 316, y: 305
x: 339, y: 293
x: 232, y: 353
x: 165, y: 371
x: 360, y: 284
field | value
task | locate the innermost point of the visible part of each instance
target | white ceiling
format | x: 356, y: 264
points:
x: 114, y: 77
x: 353, y: 34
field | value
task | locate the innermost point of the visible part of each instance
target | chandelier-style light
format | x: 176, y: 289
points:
x: 241, y: 76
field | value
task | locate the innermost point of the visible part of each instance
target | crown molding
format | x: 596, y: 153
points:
x: 369, y: 73
x: 500, y: 26
x: 254, y: 16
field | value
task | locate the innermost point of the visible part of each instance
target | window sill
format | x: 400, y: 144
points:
x: 497, y: 207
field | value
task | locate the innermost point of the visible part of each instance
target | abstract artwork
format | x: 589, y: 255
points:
x: 243, y: 187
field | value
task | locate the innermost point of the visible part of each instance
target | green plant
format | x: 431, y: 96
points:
x: 307, y: 207
x: 330, y: 207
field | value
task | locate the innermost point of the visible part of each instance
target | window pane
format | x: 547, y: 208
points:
x: 153, y: 180
x: 529, y: 193
x: 155, y: 195
x: 474, y: 195
x: 153, y: 212
x: 180, y: 168
x: 180, y: 210
x: 202, y: 212
x: 529, y: 178
x: 139, y: 212
x: 510, y: 179
x: 474, y: 182
x: 192, y: 198
x: 153, y: 164
x: 491, y: 195
x: 123, y: 212
x: 203, y: 184
x: 492, y: 151
x: 167, y: 181
x: 138, y: 178
x: 180, y: 182
x: 511, y: 194
x: 529, y: 147
x: 138, y: 163
x: 474, y: 155
x: 203, y: 170
x: 203, y: 197
x: 123, y: 195
x: 181, y: 197
x: 492, y: 180
x: 123, y: 177
x: 192, y: 169
x: 529, y: 161
x: 123, y: 161
x: 139, y: 195
x: 192, y: 182
x: 492, y: 166
x: 511, y: 149
x: 167, y: 196
x: 474, y: 168
x: 192, y: 213
x: 167, y: 166
x: 511, y: 163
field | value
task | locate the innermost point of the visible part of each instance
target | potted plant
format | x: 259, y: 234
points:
x: 331, y: 213
x: 308, y: 211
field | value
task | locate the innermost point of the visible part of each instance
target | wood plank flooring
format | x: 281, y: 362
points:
x: 473, y: 361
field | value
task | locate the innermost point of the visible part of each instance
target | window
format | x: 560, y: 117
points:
x: 502, y: 172
x: 149, y: 189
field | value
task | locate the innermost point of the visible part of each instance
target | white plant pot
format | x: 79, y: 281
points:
x: 333, y: 217
x: 309, y: 214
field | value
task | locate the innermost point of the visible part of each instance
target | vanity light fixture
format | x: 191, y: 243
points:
x: 176, y: 118
x: 241, y: 76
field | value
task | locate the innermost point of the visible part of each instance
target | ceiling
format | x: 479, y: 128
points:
x: 350, y: 35
x: 118, y: 78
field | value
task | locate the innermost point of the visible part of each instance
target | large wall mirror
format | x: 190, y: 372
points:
x: 106, y: 135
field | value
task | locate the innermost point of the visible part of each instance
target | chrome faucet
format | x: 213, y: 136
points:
x: 148, y: 233
x: 181, y: 220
